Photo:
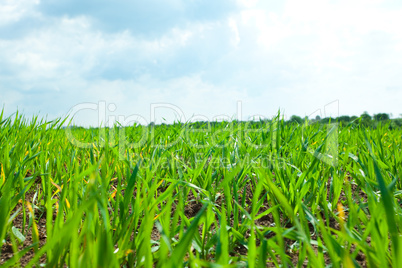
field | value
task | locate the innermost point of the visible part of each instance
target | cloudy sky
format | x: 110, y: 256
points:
x: 161, y: 60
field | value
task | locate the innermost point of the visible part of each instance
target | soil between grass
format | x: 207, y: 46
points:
x: 192, y: 207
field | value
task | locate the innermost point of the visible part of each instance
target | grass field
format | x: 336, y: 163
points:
x: 228, y: 194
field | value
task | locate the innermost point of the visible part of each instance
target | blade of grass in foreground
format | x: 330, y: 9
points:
x: 222, y: 248
x: 387, y: 199
x: 181, y: 249
x: 65, y: 232
x: 4, y: 214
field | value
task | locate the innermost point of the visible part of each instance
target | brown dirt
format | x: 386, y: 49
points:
x: 7, y: 249
x: 193, y: 206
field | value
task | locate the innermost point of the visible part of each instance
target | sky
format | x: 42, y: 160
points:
x: 142, y: 61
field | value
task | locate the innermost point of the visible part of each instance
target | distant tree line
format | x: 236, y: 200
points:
x: 365, y: 119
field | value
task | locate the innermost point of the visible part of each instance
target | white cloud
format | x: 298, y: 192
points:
x: 70, y: 47
x: 12, y: 11
x: 297, y: 56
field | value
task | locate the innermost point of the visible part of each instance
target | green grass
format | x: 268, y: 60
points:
x: 228, y: 194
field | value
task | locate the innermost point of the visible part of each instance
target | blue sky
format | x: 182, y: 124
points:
x: 203, y: 59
